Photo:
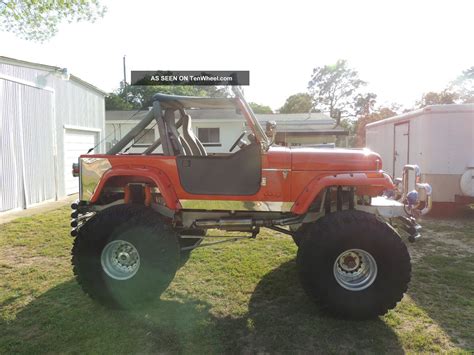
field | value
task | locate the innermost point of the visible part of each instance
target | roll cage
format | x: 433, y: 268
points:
x: 164, y: 111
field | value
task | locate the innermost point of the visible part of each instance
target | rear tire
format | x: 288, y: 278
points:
x: 125, y: 256
x: 353, y: 264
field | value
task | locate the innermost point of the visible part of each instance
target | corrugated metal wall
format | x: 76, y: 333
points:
x: 11, y: 163
x: 35, y: 107
x: 26, y: 146
x: 76, y: 106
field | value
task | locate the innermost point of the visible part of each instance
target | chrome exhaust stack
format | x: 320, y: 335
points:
x: 417, y: 201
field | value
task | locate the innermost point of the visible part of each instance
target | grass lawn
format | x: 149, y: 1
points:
x: 232, y: 298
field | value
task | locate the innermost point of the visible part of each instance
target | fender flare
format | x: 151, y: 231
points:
x: 157, y: 176
x: 376, y: 181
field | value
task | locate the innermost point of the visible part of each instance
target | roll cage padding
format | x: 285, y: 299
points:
x: 164, y: 137
x: 173, y: 134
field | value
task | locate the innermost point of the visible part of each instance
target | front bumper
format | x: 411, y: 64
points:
x: 403, y: 206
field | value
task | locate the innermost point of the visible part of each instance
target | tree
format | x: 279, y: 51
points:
x: 379, y: 114
x: 438, y: 98
x: 364, y: 103
x: 38, y: 20
x: 298, y: 103
x: 116, y: 102
x: 464, y: 86
x: 334, y: 88
x: 458, y: 91
x: 132, y: 97
x: 257, y: 108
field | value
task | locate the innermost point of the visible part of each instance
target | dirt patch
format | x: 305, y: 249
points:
x: 452, y: 224
x: 20, y: 257
x: 451, y: 239
x: 443, y: 237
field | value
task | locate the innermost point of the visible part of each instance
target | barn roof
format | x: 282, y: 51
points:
x: 49, y: 68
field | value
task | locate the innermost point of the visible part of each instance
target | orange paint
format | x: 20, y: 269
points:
x: 292, y: 175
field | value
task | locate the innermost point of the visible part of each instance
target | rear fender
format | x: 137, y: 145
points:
x: 159, y: 178
x: 372, y: 183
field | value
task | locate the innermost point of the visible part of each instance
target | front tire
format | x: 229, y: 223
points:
x: 125, y: 256
x: 353, y: 264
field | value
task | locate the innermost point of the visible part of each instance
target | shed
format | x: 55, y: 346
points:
x: 439, y: 139
x: 47, y: 119
x: 306, y: 129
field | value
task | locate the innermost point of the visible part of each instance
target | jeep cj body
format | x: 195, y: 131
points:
x: 139, y: 216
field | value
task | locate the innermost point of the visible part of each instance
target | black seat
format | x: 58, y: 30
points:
x: 187, y: 148
x: 193, y: 142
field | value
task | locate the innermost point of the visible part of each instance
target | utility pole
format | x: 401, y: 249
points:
x: 124, y: 82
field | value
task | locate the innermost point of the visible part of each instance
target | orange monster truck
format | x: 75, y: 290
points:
x: 139, y: 215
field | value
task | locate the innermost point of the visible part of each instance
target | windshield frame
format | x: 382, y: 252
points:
x: 251, y: 119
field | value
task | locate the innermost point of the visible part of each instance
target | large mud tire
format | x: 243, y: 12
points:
x: 125, y: 256
x: 354, y: 265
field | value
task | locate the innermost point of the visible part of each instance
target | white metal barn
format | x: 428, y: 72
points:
x: 438, y: 138
x: 47, y: 119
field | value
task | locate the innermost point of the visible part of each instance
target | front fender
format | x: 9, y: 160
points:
x: 373, y: 183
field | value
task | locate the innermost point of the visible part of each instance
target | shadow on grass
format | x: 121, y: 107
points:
x: 280, y: 318
x: 443, y: 287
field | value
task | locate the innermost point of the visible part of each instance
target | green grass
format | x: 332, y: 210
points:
x: 234, y: 298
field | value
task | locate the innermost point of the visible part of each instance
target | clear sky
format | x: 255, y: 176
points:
x: 402, y: 48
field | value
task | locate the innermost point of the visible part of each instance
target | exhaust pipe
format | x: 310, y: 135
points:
x: 418, y: 206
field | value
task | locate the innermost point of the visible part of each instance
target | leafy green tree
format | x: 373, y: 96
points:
x: 116, y: 102
x: 464, y: 86
x: 257, y: 108
x: 38, y: 20
x: 298, y: 103
x: 364, y: 103
x: 460, y: 91
x: 334, y: 88
x: 438, y: 98
x: 377, y: 115
x: 132, y: 97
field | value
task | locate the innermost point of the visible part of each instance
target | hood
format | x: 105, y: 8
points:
x: 334, y: 159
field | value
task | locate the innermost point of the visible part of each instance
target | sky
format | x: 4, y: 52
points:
x: 401, y: 48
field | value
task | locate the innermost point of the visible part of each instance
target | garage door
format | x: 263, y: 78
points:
x: 76, y: 142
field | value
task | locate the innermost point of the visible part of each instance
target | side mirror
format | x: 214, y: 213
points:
x: 271, y: 130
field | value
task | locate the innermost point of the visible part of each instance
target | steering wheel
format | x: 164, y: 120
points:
x: 237, y: 142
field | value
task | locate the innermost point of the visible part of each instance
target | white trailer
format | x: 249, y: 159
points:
x: 439, y: 139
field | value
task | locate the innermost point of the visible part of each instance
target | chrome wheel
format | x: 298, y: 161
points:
x: 120, y: 260
x: 355, y: 269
